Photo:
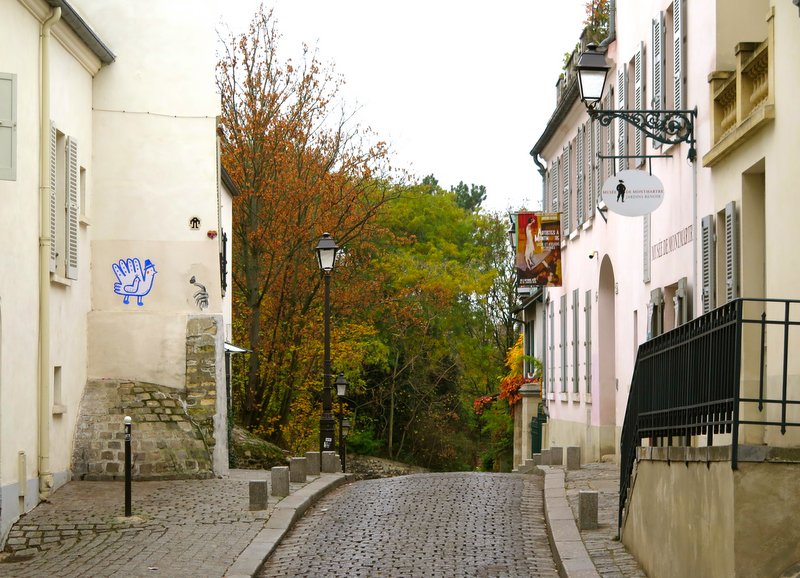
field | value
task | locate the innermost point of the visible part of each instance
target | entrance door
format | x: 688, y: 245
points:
x: 607, y: 351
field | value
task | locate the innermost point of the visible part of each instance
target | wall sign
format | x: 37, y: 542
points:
x: 538, y: 249
x: 633, y: 193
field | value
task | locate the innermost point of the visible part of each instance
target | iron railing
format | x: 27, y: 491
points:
x: 687, y: 382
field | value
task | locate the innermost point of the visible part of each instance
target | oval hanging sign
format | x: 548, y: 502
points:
x: 633, y: 193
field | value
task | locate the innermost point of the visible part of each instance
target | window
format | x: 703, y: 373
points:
x: 580, y: 166
x: 638, y: 101
x: 709, y: 268
x: 566, y: 221
x: 657, y: 101
x: 725, y: 252
x: 64, y: 192
x: 551, y: 347
x: 8, y: 127
x: 655, y: 313
x: 554, y: 186
x: 587, y: 310
x: 646, y: 255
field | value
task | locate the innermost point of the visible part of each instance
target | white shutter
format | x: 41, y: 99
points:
x: 731, y: 252
x: 579, y: 161
x: 678, y: 52
x: 657, y: 36
x: 71, y: 183
x: 575, y: 342
x: 708, y: 263
x: 554, y: 186
x: 622, y: 127
x: 682, y: 314
x: 563, y: 320
x: 638, y: 99
x: 52, y: 186
x: 565, y: 193
x: 646, y: 257
x: 609, y: 132
x: 587, y: 308
x: 593, y: 144
x: 656, y: 310
x: 8, y: 127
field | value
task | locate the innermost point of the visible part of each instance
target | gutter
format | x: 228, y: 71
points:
x: 45, y: 242
x: 84, y: 32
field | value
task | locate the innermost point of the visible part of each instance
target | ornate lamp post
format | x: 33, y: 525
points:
x: 326, y: 256
x: 664, y: 126
x: 344, y: 423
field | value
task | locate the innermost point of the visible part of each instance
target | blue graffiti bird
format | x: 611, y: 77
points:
x: 132, y: 280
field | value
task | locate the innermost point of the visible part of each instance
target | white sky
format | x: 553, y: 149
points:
x: 461, y: 89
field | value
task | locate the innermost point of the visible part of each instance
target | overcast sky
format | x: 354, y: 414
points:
x: 461, y: 89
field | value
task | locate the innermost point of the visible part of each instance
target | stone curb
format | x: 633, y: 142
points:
x: 286, y: 513
x: 569, y: 551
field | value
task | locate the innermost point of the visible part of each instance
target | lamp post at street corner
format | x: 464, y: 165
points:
x: 344, y: 423
x: 326, y: 257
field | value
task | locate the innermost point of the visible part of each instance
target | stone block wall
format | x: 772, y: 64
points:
x: 172, y: 431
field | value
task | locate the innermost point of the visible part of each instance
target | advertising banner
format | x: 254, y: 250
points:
x: 538, y: 255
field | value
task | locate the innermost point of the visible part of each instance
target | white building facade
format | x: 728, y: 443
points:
x: 110, y: 292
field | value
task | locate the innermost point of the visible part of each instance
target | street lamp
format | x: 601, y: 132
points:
x: 326, y: 256
x: 344, y: 424
x: 664, y: 126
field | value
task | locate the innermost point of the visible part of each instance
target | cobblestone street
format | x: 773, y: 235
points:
x: 459, y: 524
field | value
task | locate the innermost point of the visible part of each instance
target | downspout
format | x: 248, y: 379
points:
x: 612, y: 25
x: 544, y: 296
x: 45, y: 475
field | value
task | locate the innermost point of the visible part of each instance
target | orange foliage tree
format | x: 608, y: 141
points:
x: 303, y: 168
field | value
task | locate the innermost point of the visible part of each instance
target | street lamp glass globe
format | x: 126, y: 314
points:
x: 341, y: 385
x: 326, y: 253
x: 592, y: 71
x: 345, y: 427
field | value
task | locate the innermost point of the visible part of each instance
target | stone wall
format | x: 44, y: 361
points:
x: 370, y: 467
x: 173, y: 430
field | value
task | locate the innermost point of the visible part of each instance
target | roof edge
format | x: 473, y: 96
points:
x: 84, y: 31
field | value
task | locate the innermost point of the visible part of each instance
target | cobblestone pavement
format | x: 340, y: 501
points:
x: 453, y: 525
x: 188, y: 528
x: 608, y: 554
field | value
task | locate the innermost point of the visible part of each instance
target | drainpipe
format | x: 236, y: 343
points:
x: 45, y: 475
x: 545, y: 296
x: 612, y: 25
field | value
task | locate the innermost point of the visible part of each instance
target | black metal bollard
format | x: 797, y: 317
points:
x: 127, y: 422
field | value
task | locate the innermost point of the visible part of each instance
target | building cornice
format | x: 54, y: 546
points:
x: 570, y: 98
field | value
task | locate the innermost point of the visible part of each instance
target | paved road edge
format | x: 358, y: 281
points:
x: 286, y: 513
x: 569, y: 551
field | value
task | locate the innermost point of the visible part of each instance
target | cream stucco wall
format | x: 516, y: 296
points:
x: 698, y: 519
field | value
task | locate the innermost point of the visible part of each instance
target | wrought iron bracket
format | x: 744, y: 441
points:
x: 664, y: 126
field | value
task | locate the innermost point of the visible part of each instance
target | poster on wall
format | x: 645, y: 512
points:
x: 538, y: 255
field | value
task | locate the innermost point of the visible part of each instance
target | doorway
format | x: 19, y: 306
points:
x: 607, y: 351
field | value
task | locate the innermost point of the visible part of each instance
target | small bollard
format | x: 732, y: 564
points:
x: 280, y: 480
x: 537, y: 459
x: 331, y: 463
x: 297, y: 470
x: 312, y: 463
x: 545, y: 457
x: 127, y: 421
x: 573, y: 457
x: 556, y: 456
x: 587, y: 510
x: 258, y: 494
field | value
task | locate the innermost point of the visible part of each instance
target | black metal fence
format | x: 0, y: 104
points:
x: 687, y: 382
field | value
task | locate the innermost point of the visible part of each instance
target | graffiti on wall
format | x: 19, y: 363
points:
x: 133, y: 280
x: 201, y: 296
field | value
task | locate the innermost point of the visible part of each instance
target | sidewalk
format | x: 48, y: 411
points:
x: 587, y: 553
x: 181, y: 528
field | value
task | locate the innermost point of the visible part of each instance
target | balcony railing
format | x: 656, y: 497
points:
x: 742, y: 100
x: 688, y: 384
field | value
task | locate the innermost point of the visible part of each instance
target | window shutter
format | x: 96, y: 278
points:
x: 565, y: 193
x: 656, y: 310
x: 53, y: 181
x: 579, y: 184
x: 554, y: 186
x: 657, y: 102
x: 594, y: 165
x: 563, y: 320
x: 638, y: 99
x: 731, y: 253
x: 609, y: 135
x: 622, y: 127
x: 551, y: 347
x: 708, y: 264
x: 678, y: 22
x: 575, y: 342
x: 587, y: 308
x: 71, y: 245
x: 682, y: 312
x: 8, y: 127
x: 646, y: 257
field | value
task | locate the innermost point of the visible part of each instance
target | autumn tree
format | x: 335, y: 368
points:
x: 303, y: 168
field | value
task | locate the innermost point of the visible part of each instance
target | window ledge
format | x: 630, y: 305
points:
x: 574, y: 234
x: 57, y: 279
x: 84, y: 221
x: 576, y: 397
x: 588, y: 398
x: 59, y: 409
x: 587, y: 224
